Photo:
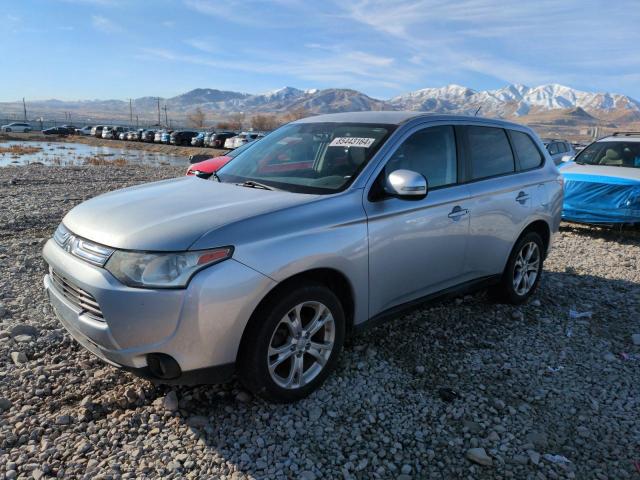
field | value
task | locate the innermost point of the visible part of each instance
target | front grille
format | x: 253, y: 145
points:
x: 78, y: 297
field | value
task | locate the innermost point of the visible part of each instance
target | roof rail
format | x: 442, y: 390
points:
x: 625, y: 134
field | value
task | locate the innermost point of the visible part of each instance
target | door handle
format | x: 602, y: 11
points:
x: 522, y: 198
x: 457, y: 213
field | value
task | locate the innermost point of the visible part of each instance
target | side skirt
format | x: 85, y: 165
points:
x: 447, y: 293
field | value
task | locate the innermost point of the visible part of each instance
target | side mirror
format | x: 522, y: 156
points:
x: 406, y: 184
x: 566, y: 158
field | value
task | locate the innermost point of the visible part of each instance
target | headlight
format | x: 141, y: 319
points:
x: 162, y: 270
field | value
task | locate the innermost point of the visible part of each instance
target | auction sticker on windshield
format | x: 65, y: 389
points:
x: 352, y: 142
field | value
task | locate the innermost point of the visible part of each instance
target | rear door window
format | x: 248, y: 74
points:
x: 489, y: 152
x: 528, y: 154
x: 553, y: 148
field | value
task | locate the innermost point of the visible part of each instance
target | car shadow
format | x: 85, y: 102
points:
x: 436, y: 367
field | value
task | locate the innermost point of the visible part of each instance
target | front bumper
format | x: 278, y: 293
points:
x: 200, y: 327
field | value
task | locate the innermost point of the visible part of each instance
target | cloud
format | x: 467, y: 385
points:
x: 207, y: 45
x: 105, y: 25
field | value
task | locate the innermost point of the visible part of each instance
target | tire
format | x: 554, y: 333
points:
x: 7, y: 130
x: 515, y: 288
x: 271, y: 329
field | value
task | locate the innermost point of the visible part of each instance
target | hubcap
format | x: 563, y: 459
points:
x: 526, y: 268
x: 301, y: 345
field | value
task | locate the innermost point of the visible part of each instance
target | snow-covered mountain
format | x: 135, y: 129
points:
x: 512, y: 101
x: 518, y: 100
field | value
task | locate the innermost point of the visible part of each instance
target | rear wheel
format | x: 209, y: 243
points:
x: 292, y: 344
x: 522, y: 273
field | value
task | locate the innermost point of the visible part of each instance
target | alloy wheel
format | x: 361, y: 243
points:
x: 526, y: 268
x: 301, y: 345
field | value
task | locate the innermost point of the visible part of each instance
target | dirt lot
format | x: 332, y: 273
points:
x: 151, y: 147
x: 544, y: 394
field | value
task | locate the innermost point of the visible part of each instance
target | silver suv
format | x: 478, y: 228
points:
x: 560, y: 150
x: 327, y: 224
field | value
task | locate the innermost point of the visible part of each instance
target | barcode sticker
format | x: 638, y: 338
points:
x: 352, y: 142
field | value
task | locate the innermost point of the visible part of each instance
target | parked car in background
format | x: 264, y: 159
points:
x: 147, y: 135
x: 182, y: 137
x: 218, y: 139
x: 135, y: 135
x: 602, y: 184
x: 124, y: 134
x: 97, y: 131
x: 264, y: 275
x: 560, y: 150
x: 157, y: 137
x: 113, y: 133
x: 206, y: 168
x: 19, y: 127
x: 241, y: 139
x: 165, y: 137
x: 86, y: 130
x: 198, y: 140
x: 58, y: 131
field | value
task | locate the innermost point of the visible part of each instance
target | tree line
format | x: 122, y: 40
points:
x: 238, y: 121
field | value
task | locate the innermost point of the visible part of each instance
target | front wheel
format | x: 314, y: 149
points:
x: 292, y: 344
x: 7, y: 130
x: 522, y: 273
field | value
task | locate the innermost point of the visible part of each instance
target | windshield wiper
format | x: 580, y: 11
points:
x: 252, y: 184
x: 216, y: 177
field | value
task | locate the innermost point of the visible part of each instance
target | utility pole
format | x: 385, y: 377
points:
x: 137, y: 122
x: 158, y: 111
x: 130, y: 113
x: 166, y: 119
x: 24, y: 107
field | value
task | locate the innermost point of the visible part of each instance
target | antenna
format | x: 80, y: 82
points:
x: 477, y: 111
x: 24, y: 106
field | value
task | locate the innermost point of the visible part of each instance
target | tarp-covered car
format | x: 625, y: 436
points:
x: 602, y: 184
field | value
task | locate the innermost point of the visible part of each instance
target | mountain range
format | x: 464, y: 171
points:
x: 512, y: 102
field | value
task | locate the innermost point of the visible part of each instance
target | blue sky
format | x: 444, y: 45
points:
x: 84, y: 49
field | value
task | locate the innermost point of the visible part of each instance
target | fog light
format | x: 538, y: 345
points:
x: 163, y: 366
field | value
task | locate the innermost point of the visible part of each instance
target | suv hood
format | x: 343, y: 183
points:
x: 171, y: 215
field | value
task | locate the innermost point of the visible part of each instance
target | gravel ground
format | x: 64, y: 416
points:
x: 462, y: 389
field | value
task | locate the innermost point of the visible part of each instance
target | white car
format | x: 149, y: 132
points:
x: 16, y: 127
x: 241, y: 139
x: 86, y: 130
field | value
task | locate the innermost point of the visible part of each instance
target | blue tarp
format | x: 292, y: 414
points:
x: 600, y: 199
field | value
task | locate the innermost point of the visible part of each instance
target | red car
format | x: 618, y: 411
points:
x: 206, y: 168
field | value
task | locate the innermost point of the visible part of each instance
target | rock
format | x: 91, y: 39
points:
x: 406, y: 469
x: 499, y: 404
x: 610, y: 357
x: 539, y: 439
x: 307, y: 475
x: 536, y: 303
x: 479, y: 456
x: 171, y: 401
x: 19, y: 358
x: 24, y: 329
x: 197, y: 421
x: 516, y: 314
x: 420, y: 369
x: 243, y: 397
x: 23, y: 338
x: 5, y: 404
x: 635, y: 338
x: 534, y: 456
x: 315, y: 413
x: 3, y: 311
x: 63, y: 420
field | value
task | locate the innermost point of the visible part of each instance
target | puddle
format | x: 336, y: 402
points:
x: 53, y: 153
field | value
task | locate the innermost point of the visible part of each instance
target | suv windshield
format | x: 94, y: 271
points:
x: 612, y: 154
x: 308, y: 157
